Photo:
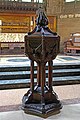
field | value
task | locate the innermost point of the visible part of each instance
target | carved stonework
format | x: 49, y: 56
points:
x: 18, y: 7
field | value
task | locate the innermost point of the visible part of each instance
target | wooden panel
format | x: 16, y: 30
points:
x: 21, y: 23
x: 15, y: 23
x: 52, y: 23
x: 77, y: 44
x: 4, y: 45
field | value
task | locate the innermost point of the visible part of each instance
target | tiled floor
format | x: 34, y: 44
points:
x: 23, y: 60
x: 68, y: 112
x: 14, y: 96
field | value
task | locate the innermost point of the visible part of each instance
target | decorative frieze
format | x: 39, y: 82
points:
x: 12, y: 37
x: 70, y: 16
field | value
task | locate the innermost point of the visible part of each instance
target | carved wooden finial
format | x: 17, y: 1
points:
x: 41, y: 19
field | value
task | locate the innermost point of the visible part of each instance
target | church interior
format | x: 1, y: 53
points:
x: 18, y: 18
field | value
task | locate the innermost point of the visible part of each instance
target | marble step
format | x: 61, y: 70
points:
x: 56, y: 79
x: 27, y: 68
x: 25, y: 83
x: 26, y: 74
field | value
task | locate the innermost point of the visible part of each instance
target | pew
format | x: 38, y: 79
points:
x: 72, y: 45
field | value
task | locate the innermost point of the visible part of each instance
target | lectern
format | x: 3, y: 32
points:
x: 41, y: 46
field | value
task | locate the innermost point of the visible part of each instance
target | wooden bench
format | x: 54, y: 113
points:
x: 11, y: 48
x: 72, y: 46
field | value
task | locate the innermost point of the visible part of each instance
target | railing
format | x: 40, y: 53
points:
x: 19, y: 6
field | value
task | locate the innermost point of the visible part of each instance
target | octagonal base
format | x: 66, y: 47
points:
x: 35, y: 103
x: 42, y: 110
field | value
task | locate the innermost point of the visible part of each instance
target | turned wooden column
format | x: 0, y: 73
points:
x: 42, y: 75
x: 50, y: 68
x: 32, y: 75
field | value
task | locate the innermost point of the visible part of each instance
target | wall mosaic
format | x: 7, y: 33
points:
x: 12, y: 37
